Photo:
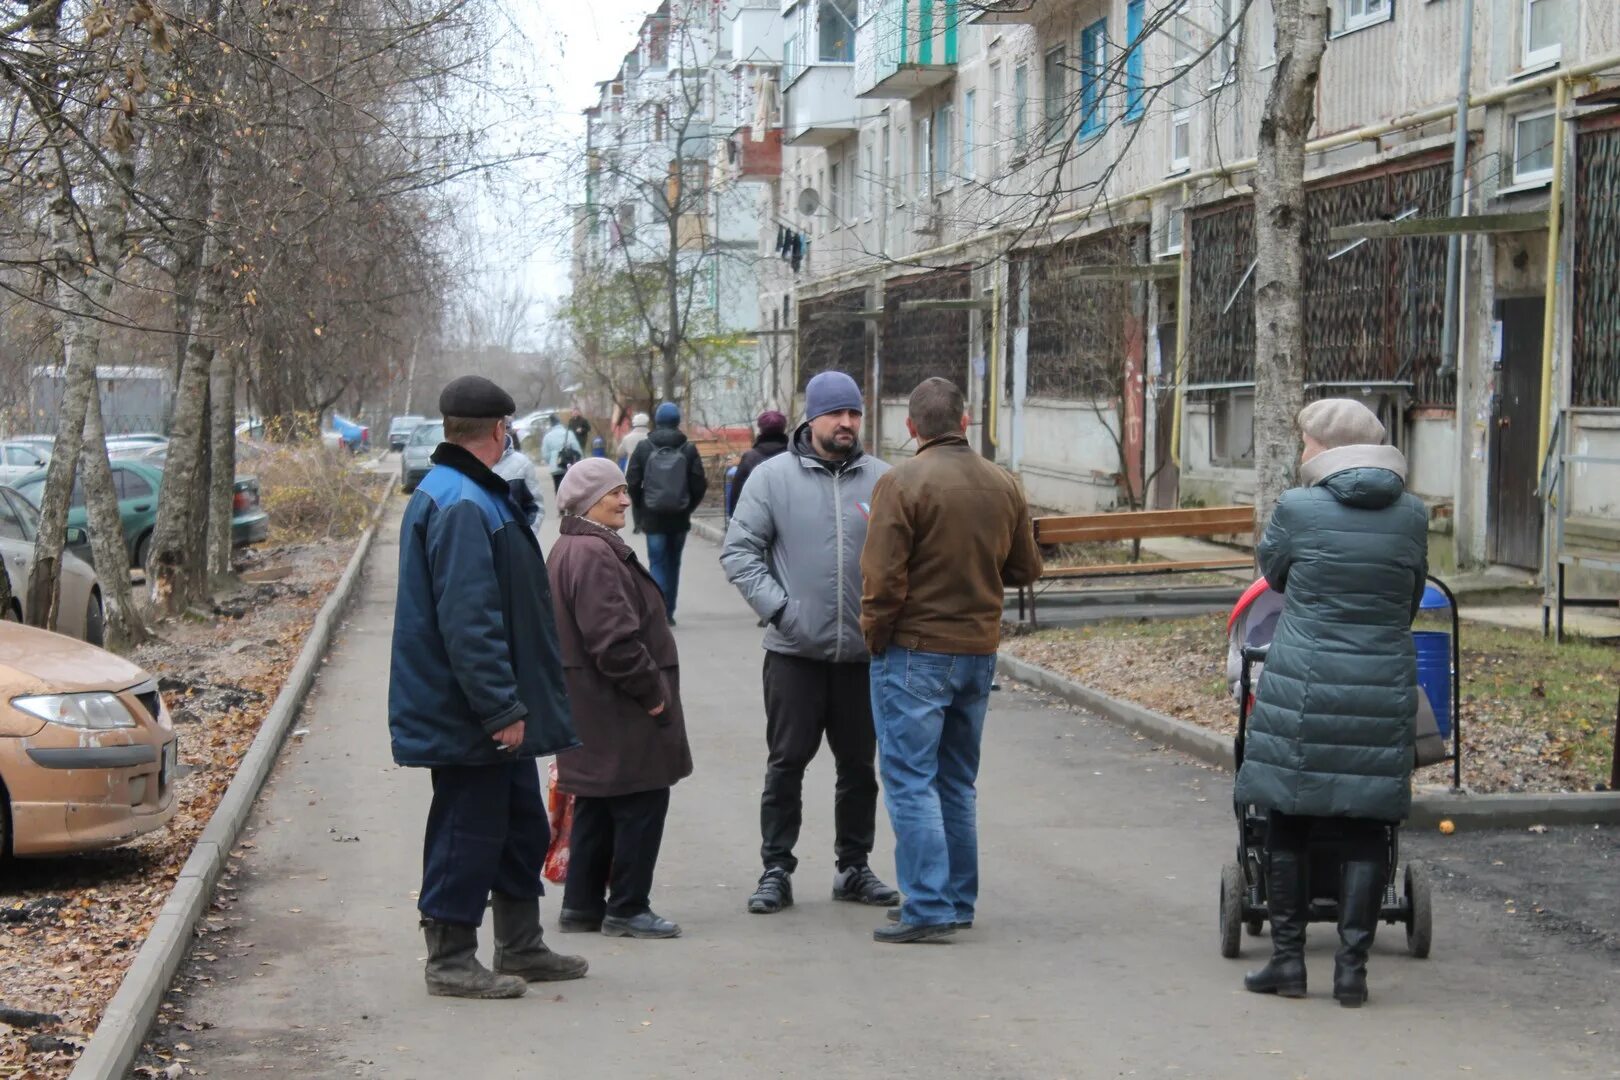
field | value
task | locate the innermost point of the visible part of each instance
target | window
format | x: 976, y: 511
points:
x: 1229, y: 25
x: 1533, y: 147
x: 1542, y: 19
x: 834, y: 209
x: 26, y: 514
x: 1093, y: 73
x: 968, y: 134
x: 1135, y: 11
x: 10, y: 524
x: 867, y: 180
x: 1170, y: 230
x: 660, y: 119
x: 626, y: 224
x: 821, y: 188
x: 836, y: 31
x: 888, y: 169
x: 791, y: 64
x: 902, y: 184
x: 1054, y: 86
x: 1180, y: 127
x: 1265, y: 34
x: 1359, y: 13
x: 1183, y: 41
x: 1231, y: 422
x: 993, y: 142
x: 944, y: 123
x: 1021, y: 109
x: 922, y: 153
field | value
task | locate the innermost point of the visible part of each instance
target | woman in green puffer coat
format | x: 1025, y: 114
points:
x: 1330, y: 747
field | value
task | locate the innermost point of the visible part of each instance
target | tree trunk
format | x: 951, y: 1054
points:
x: 178, y: 570
x: 222, y: 462
x: 125, y: 628
x: 1280, y: 248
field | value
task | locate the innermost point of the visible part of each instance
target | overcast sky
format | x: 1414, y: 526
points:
x: 551, y: 61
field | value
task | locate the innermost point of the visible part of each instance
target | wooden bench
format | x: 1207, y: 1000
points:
x: 1138, y: 525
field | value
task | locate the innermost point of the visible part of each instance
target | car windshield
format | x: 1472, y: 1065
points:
x: 428, y: 434
x: 33, y: 491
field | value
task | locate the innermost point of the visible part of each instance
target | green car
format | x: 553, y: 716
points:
x: 137, y: 484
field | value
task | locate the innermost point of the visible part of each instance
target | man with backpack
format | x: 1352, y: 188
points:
x: 667, y: 482
x: 560, y: 448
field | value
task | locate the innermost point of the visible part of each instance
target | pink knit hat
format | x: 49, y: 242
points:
x: 586, y: 482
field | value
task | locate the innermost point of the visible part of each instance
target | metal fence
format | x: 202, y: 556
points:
x: 921, y: 344
x: 832, y: 338
x: 1077, y: 324
x: 1595, y: 367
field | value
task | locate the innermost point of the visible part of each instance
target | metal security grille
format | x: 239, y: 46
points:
x: 1596, y: 364
x: 1374, y: 308
x: 1077, y: 324
x: 921, y: 344
x: 835, y: 342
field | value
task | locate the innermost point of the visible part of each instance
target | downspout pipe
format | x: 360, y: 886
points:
x: 1183, y: 320
x: 1555, y: 205
x: 1459, y: 166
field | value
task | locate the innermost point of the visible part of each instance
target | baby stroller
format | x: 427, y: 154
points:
x: 1243, y: 883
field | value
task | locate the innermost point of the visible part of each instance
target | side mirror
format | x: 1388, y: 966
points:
x: 77, y: 535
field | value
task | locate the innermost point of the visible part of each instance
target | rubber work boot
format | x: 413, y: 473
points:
x: 520, y: 945
x: 859, y: 885
x: 774, y: 892
x: 1284, y: 973
x: 1361, y: 896
x: 453, y: 969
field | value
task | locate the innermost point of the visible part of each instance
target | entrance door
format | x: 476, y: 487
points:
x: 1166, y: 477
x: 1515, y: 508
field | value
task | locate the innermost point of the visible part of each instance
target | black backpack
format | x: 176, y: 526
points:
x: 566, y: 458
x: 666, y: 487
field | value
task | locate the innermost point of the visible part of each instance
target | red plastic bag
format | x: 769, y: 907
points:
x: 560, y: 810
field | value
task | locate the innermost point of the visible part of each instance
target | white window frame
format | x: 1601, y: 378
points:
x: 1547, y: 55
x: 835, y: 206
x: 867, y: 184
x: 943, y: 132
x: 1172, y: 238
x: 1359, y: 14
x: 993, y: 142
x: 1183, y: 40
x: 1230, y: 28
x: 1537, y: 177
x: 1021, y: 110
x: 970, y: 105
x: 1180, y: 120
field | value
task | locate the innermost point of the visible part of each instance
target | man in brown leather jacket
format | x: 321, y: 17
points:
x: 949, y: 533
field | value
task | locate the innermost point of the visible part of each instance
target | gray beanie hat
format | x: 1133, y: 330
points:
x: 585, y: 484
x: 1336, y: 422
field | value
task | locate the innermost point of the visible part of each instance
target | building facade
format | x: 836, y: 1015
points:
x: 1051, y: 202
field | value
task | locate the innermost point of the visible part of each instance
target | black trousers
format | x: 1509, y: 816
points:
x: 1358, y: 839
x: 615, y: 842
x: 486, y: 831
x: 803, y: 700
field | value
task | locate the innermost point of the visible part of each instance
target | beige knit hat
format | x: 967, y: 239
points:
x: 585, y: 484
x: 1336, y: 422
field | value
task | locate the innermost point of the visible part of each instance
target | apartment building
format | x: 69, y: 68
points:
x: 1051, y: 201
x: 677, y: 191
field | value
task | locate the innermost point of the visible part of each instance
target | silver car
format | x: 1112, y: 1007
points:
x: 19, y: 458
x: 416, y: 459
x: 81, y: 615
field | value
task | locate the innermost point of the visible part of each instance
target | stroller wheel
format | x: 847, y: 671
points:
x: 1419, y: 910
x: 1231, y: 909
x: 1255, y: 926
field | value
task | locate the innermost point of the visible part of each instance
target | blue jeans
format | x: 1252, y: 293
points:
x: 664, y: 563
x: 929, y: 709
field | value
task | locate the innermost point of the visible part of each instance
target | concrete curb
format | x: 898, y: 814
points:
x: 1493, y: 811
x: 710, y: 532
x: 124, y: 1024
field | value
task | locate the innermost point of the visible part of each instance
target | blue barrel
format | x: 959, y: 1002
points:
x: 1434, y: 674
x: 731, y: 478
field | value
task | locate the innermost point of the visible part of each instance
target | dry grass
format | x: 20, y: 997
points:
x: 313, y: 492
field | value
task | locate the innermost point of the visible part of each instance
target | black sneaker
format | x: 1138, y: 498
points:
x: 859, y: 885
x: 774, y: 893
x: 902, y: 933
x: 894, y: 916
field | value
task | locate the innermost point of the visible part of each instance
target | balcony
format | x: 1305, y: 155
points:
x: 1011, y: 12
x: 757, y: 161
x: 907, y: 49
x: 818, y: 106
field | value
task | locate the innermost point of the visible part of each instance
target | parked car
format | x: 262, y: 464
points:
x: 88, y: 753
x: 417, y: 458
x: 356, y: 437
x: 150, y: 438
x: 81, y: 612
x: 400, y: 428
x: 43, y: 444
x: 138, y: 483
x: 18, y: 459
x: 135, y: 446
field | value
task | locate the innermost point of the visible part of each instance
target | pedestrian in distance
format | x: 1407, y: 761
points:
x: 1330, y: 742
x: 771, y: 440
x: 475, y: 694
x: 624, y: 683
x: 793, y: 549
x: 627, y: 448
x: 950, y: 532
x: 666, y: 483
x: 559, y: 449
x: 517, y: 469
x: 580, y: 425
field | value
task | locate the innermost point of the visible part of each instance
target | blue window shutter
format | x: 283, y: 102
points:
x: 1134, y: 94
x: 1092, y: 69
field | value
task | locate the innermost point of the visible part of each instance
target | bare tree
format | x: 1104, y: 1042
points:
x: 1280, y: 245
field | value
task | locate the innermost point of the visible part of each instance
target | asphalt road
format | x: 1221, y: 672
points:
x: 1095, y: 952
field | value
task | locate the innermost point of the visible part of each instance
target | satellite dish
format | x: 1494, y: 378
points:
x: 809, y: 201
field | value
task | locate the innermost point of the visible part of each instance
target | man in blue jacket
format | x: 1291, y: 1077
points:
x: 475, y: 694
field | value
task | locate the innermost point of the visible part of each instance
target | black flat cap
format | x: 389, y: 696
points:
x: 476, y: 398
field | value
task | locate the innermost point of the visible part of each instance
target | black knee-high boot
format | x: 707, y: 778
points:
x: 1288, y: 900
x: 1361, y: 895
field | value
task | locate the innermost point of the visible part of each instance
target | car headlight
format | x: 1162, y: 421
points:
x: 95, y: 712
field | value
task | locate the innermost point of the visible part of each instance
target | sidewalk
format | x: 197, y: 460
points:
x: 1095, y: 952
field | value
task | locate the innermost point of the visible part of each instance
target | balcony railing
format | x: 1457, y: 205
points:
x: 908, y: 47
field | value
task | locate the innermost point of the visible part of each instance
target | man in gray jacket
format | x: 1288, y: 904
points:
x: 794, y: 551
